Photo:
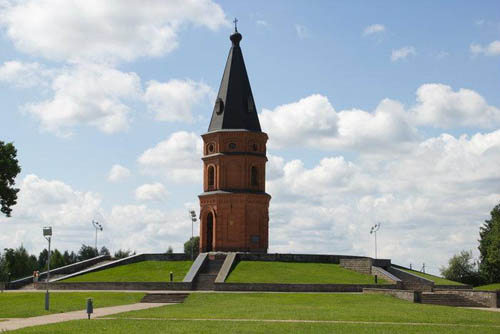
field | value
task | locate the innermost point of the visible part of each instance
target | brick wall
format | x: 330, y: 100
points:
x: 361, y: 265
x: 297, y: 287
x: 118, y: 286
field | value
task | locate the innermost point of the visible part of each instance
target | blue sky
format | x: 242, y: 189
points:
x: 376, y: 111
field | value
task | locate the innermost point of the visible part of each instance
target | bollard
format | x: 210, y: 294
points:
x: 376, y: 279
x: 47, y: 300
x: 90, y: 307
x: 171, y: 276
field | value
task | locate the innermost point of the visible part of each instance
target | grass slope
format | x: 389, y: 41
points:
x: 217, y: 327
x: 314, y: 306
x: 31, y: 304
x: 489, y: 287
x: 436, y: 279
x: 146, y: 271
x: 293, y: 272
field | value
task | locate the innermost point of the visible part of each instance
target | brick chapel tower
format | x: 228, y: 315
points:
x: 234, y: 207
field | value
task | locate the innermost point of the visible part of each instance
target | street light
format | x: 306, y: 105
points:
x: 374, y: 230
x: 47, y: 233
x: 193, y: 220
x: 98, y: 227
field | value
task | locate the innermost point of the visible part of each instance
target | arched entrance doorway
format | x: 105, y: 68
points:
x: 210, y: 231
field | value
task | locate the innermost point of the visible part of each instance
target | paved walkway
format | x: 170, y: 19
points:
x: 13, y: 324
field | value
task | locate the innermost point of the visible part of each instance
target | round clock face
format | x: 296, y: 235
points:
x: 211, y: 148
x: 232, y: 146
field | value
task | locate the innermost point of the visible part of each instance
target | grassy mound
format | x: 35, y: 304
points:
x: 436, y: 279
x: 293, y: 272
x: 489, y: 287
x: 146, y: 271
x: 31, y: 304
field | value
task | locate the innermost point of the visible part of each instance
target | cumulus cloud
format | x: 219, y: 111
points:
x: 151, y: 192
x: 402, y: 53
x: 24, y: 75
x: 302, y: 31
x: 88, y: 94
x: 431, y: 200
x: 175, y: 99
x: 439, y: 106
x: 176, y: 158
x: 313, y: 122
x: 492, y: 49
x: 118, y: 173
x: 103, y: 31
x: 373, y: 29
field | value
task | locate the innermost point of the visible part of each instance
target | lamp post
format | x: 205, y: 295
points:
x: 374, y: 230
x: 98, y: 227
x: 47, y: 233
x: 193, y: 220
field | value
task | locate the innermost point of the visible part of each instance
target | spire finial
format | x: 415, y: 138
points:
x: 235, y: 21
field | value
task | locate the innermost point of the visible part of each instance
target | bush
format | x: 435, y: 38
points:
x: 122, y: 253
x: 462, y: 268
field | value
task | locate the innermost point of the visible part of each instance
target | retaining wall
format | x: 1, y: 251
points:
x: 118, y: 286
x: 409, y: 295
x: 318, y: 258
x: 297, y: 287
x: 487, y: 298
x: 69, y: 269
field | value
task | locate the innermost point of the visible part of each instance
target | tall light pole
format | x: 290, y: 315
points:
x: 193, y: 220
x: 98, y: 227
x: 374, y: 230
x: 47, y: 233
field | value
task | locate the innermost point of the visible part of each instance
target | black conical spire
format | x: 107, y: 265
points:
x: 234, y: 106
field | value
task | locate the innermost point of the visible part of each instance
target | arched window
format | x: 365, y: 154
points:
x: 211, y: 177
x: 254, y: 180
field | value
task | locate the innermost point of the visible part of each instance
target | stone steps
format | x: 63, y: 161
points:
x: 208, y: 273
x: 448, y: 300
x: 164, y: 298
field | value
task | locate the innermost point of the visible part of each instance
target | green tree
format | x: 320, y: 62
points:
x: 4, y: 271
x: 19, y: 262
x: 104, y: 251
x: 69, y: 258
x: 462, y: 268
x: 194, y: 245
x: 170, y: 250
x: 42, y: 259
x: 87, y: 252
x: 122, y: 253
x: 56, y: 259
x: 489, y: 247
x: 9, y: 168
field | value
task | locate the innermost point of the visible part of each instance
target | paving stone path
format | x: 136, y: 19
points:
x: 17, y: 323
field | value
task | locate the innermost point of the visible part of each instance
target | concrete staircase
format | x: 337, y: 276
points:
x: 448, y: 300
x: 164, y: 298
x: 206, y: 277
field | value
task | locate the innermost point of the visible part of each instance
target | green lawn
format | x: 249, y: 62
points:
x: 436, y: 279
x: 314, y: 306
x: 31, y: 304
x: 491, y: 287
x: 389, y: 316
x: 146, y: 271
x: 293, y: 272
x: 239, y: 327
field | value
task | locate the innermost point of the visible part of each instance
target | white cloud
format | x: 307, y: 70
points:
x: 431, y: 200
x: 175, y: 99
x: 373, y: 29
x: 104, y: 30
x: 439, y: 106
x: 302, y: 31
x: 262, y: 23
x: 492, y: 49
x: 23, y: 74
x: 176, y: 158
x: 313, y: 122
x: 402, y: 53
x: 118, y: 173
x: 151, y: 192
x: 87, y: 94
